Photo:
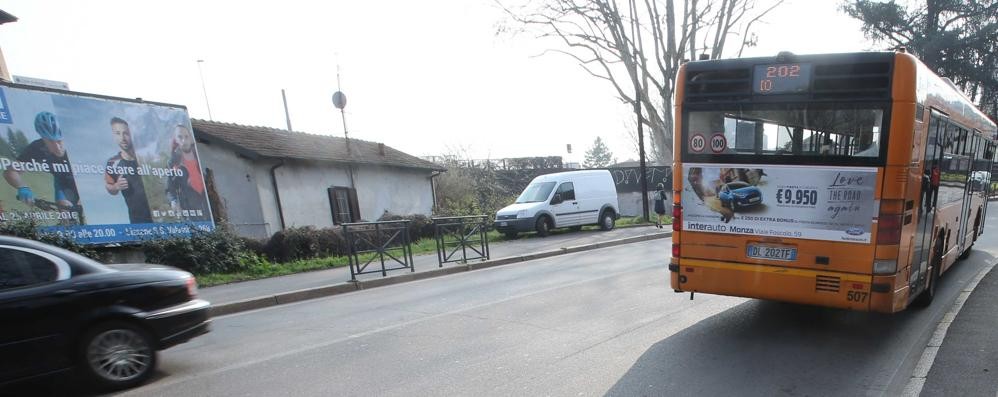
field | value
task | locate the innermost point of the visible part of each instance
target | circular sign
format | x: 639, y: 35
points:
x: 698, y: 143
x: 718, y: 143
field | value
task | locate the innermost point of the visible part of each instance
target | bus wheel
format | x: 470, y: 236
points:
x: 977, y: 224
x: 925, y: 298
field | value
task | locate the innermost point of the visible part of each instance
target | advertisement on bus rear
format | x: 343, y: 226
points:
x: 101, y: 171
x: 808, y: 202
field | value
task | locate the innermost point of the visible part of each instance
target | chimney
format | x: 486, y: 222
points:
x: 381, y: 149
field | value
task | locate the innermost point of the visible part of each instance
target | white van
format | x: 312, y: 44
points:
x: 564, y: 199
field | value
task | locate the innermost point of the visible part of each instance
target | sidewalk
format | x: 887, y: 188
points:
x: 967, y: 361
x: 248, y: 295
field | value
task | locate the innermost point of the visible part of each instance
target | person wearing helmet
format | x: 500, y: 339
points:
x: 48, y: 149
x: 122, y: 174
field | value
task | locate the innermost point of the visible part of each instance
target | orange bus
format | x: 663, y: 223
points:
x: 842, y: 180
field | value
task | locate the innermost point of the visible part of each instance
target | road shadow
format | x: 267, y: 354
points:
x: 764, y: 348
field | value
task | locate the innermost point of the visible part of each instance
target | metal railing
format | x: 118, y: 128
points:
x: 464, y: 235
x: 386, y: 242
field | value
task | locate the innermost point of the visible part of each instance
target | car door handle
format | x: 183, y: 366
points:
x: 575, y: 202
x: 65, y: 291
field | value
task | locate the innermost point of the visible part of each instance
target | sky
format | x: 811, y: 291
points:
x: 427, y: 78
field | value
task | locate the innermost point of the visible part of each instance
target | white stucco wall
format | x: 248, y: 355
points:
x: 304, y: 198
x: 246, y: 187
x: 396, y: 190
x: 236, y: 181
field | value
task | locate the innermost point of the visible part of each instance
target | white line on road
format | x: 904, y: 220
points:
x: 924, y: 365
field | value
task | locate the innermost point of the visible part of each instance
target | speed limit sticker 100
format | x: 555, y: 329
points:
x: 718, y: 143
x: 698, y: 143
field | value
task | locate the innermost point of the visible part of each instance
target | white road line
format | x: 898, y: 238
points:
x: 917, y: 381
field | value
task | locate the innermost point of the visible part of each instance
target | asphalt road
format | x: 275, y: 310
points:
x: 593, y: 323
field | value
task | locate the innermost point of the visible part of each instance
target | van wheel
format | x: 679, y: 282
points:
x: 543, y: 226
x: 607, y: 221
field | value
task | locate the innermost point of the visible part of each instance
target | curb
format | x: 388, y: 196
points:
x: 351, y: 286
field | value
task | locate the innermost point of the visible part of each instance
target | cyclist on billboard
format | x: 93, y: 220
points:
x: 122, y: 174
x: 48, y: 149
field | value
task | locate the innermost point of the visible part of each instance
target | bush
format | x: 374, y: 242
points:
x: 253, y: 245
x: 420, y: 226
x: 29, y: 229
x: 216, y: 251
x: 303, y: 243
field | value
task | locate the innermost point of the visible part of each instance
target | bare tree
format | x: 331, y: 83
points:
x: 638, y: 45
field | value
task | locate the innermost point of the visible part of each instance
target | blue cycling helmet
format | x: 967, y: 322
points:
x: 47, y: 126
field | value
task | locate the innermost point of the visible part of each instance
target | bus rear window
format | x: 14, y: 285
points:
x: 790, y: 130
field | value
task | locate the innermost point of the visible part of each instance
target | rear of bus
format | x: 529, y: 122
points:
x: 780, y: 179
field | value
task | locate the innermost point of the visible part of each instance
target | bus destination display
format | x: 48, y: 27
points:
x: 788, y: 78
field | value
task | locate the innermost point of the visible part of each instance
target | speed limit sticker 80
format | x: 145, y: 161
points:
x: 698, y: 143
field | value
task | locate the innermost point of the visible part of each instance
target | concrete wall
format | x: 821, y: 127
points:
x: 630, y: 204
x: 236, y: 180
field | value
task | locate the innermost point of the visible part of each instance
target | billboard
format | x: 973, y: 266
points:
x: 99, y: 170
x: 809, y: 202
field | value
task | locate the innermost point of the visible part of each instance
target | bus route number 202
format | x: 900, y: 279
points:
x: 857, y: 296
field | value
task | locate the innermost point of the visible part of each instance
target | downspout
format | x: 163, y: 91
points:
x: 277, y: 192
x: 433, y: 188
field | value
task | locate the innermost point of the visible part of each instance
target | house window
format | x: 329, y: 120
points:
x: 343, y: 202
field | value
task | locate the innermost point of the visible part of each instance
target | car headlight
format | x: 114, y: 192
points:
x: 521, y: 214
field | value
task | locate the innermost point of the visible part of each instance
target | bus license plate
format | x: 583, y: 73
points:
x: 771, y: 252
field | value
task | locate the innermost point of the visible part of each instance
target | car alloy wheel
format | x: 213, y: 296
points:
x: 119, y: 355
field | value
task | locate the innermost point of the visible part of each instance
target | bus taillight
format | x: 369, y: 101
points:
x: 675, y: 250
x: 889, y: 229
x: 677, y: 218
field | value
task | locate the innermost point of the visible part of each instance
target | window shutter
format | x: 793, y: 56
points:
x: 354, y: 206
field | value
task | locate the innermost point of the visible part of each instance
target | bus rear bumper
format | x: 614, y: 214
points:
x: 862, y: 292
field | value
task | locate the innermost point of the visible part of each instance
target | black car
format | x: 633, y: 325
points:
x: 60, y: 311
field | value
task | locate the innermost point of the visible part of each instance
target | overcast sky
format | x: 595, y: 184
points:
x: 426, y: 77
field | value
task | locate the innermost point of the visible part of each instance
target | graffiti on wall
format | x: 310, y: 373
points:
x: 628, y: 179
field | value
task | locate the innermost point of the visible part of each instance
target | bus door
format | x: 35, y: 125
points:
x: 969, y: 189
x: 931, y: 163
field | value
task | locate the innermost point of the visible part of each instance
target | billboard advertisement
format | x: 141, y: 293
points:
x: 99, y: 170
x: 809, y: 202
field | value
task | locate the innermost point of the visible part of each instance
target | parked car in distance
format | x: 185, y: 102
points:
x: 735, y: 195
x: 564, y: 199
x: 62, y: 311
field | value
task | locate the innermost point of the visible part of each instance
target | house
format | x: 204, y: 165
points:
x: 263, y: 180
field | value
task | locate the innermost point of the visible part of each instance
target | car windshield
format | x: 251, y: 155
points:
x: 536, y: 192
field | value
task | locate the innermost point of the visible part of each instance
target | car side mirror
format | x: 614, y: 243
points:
x: 557, y: 199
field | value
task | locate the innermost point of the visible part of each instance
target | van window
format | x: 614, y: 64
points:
x: 536, y: 192
x: 567, y: 191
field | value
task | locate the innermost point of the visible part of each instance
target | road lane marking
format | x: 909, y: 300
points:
x: 924, y: 365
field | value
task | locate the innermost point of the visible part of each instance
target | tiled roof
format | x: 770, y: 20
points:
x: 278, y: 143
